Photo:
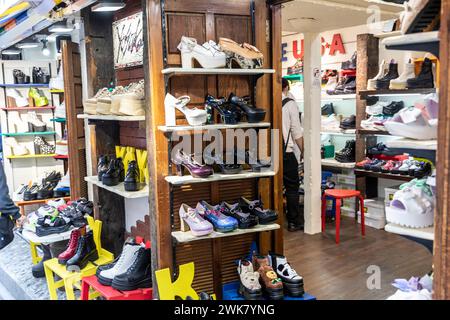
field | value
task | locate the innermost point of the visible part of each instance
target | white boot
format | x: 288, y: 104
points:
x: 15, y: 95
x: 34, y: 123
x: 57, y: 83
x: 16, y: 148
x: 401, y: 82
x: 16, y: 123
x: 372, y: 83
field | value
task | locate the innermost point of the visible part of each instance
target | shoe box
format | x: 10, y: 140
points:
x: 389, y: 194
x: 374, y: 213
x: 346, y: 179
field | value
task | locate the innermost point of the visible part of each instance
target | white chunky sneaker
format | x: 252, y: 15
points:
x: 132, y: 102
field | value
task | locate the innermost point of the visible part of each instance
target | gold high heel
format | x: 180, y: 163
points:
x: 245, y: 55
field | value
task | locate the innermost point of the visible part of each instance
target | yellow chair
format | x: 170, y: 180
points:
x: 35, y: 258
x: 71, y: 280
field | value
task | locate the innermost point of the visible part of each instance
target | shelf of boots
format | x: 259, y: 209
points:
x: 386, y: 92
x: 336, y: 164
x: 119, y: 189
x: 183, y: 237
x: 182, y: 180
x: 24, y: 85
x: 27, y: 108
x: 110, y: 117
x: 421, y: 233
x: 222, y: 71
x: 31, y: 156
x: 424, y: 41
x: 46, y: 133
x: 220, y: 126
x: 380, y: 175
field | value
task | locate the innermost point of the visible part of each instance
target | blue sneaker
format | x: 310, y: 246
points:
x: 221, y: 222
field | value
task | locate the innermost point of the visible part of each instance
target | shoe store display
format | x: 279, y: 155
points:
x: 253, y: 114
x: 15, y: 99
x: 425, y: 78
x: 244, y: 55
x: 347, y: 154
x: 383, y: 70
x: 137, y: 275
x: 34, y: 123
x: 249, y: 287
x: 255, y: 207
x: 401, y: 82
x: 292, y: 282
x: 38, y: 97
x: 41, y: 146
x: 86, y: 252
x: 190, y: 219
x: 271, y: 284
x: 132, y: 101
x: 16, y: 148
x: 220, y: 221
x: 208, y: 55
x: 245, y: 220
x: 384, y: 82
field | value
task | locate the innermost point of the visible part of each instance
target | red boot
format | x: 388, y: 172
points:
x: 71, y: 248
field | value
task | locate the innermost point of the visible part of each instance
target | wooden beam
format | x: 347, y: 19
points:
x: 441, y: 261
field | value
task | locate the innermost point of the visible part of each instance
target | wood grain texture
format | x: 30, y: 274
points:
x: 339, y: 272
x: 231, y: 7
x: 441, y: 284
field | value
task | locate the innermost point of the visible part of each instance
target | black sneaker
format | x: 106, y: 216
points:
x: 48, y: 225
x: 132, y: 180
x: 138, y: 275
x: 392, y: 108
x: 425, y: 79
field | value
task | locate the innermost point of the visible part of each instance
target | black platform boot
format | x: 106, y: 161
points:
x: 425, y: 78
x: 392, y: 74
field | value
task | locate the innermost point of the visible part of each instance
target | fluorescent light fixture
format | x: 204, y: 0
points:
x: 27, y: 45
x: 11, y: 52
x: 105, y: 6
x: 60, y: 28
x: 45, y: 49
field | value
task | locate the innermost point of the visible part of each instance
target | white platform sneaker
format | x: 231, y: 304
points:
x: 194, y: 116
x: 401, y: 82
x: 90, y: 105
x: 209, y: 56
x: 132, y: 103
x: 372, y: 83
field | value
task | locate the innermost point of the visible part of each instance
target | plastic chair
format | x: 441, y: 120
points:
x: 338, y: 195
x: 71, y: 280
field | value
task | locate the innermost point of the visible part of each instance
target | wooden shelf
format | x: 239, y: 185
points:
x: 420, y: 233
x: 47, y: 133
x: 350, y: 132
x: 386, y: 92
x: 337, y: 164
x: 31, y: 156
x: 28, y: 108
x: 110, y: 117
x: 241, y: 125
x: 25, y: 85
x: 222, y: 71
x: 404, y: 143
x: 177, y: 180
x: 373, y: 132
x: 424, y: 41
x: 183, y: 237
x: 119, y: 189
x: 380, y: 175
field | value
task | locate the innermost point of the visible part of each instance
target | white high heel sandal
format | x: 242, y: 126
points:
x: 16, y: 123
x: 209, y: 56
x: 16, y: 148
x: 195, y: 117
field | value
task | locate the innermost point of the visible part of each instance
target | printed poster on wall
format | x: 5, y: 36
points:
x: 128, y: 41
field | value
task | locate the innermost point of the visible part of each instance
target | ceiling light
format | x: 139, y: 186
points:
x: 104, y: 6
x: 60, y: 28
x: 45, y: 49
x: 27, y: 45
x: 10, y: 52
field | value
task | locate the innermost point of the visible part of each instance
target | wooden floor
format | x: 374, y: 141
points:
x: 336, y: 272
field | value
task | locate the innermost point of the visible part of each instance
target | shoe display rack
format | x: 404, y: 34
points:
x: 213, y: 255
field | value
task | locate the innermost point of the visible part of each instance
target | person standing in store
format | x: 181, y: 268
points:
x: 9, y: 212
x: 292, y: 134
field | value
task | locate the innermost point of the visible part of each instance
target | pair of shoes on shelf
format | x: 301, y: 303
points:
x: 39, y: 76
x: 38, y: 97
x: 348, y: 123
x: 212, y: 56
x: 111, y: 172
x: 345, y: 85
x: 41, y: 146
x: 20, y: 77
x: 347, y: 154
x: 32, y: 123
x: 130, y: 271
x: 271, y: 276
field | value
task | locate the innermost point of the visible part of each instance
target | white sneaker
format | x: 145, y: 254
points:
x: 17, y: 97
x: 377, y: 108
x: 375, y: 122
x: 116, y: 97
x: 331, y: 84
x: 401, y: 82
x: 132, y: 103
x: 330, y: 123
x: 209, y: 56
x: 372, y: 83
x: 16, y: 148
x: 125, y: 260
x: 57, y: 83
x: 90, y: 105
x: 423, y: 294
x: 412, y: 9
x: 60, y: 111
x: 195, y: 117
x: 56, y: 203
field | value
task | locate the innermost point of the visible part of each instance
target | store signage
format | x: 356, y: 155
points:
x: 298, y: 51
x: 128, y: 41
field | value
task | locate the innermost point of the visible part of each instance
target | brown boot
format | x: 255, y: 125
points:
x: 270, y: 282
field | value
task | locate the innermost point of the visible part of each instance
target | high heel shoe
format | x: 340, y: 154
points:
x: 227, y: 116
x: 208, y: 55
x: 225, y: 168
x: 39, y: 76
x: 195, y: 169
x: 20, y: 77
x: 16, y: 148
x: 15, y: 98
x: 245, y: 55
x: 195, y: 117
x: 34, y: 123
x: 221, y: 222
x: 190, y: 219
x: 253, y: 114
x: 41, y: 146
x: 16, y: 124
x: 39, y: 98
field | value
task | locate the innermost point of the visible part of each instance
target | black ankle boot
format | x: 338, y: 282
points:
x: 86, y: 252
x: 102, y: 166
x: 132, y: 180
x: 139, y: 275
x: 112, y: 176
x: 425, y: 78
x: 38, y: 269
x: 348, y: 153
x: 392, y: 74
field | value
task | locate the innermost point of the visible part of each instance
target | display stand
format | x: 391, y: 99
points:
x: 244, y: 21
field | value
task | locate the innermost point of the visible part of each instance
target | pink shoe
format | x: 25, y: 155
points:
x: 190, y: 219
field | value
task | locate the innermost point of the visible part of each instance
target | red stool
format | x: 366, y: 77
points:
x: 109, y: 293
x: 338, y: 195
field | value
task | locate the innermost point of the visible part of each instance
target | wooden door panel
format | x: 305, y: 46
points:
x: 237, y: 28
x: 190, y: 25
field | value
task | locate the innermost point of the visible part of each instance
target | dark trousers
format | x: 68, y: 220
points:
x: 291, y: 183
x: 7, y: 206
